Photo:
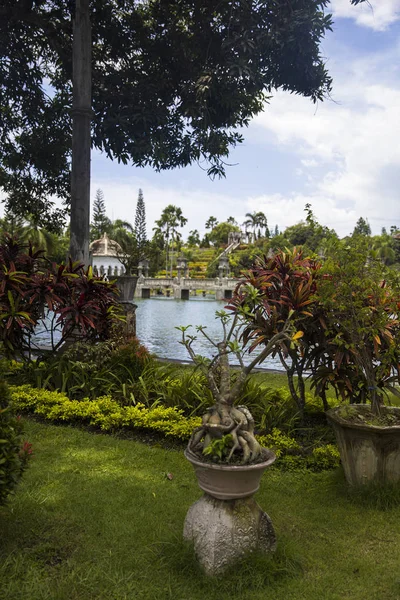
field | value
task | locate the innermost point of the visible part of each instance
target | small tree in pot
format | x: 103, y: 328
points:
x: 227, y: 522
x: 226, y: 418
x: 360, y: 358
x: 360, y: 298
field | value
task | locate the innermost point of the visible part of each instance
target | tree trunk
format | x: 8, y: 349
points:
x: 81, y: 138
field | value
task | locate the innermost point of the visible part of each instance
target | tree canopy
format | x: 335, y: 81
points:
x: 171, y: 83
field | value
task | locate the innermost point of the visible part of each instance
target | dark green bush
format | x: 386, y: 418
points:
x: 14, y: 454
x: 271, y: 407
x: 89, y: 370
x: 129, y: 360
x: 171, y: 385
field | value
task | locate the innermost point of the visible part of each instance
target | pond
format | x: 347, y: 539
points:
x: 156, y: 319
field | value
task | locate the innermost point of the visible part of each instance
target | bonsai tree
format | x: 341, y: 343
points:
x: 227, y: 429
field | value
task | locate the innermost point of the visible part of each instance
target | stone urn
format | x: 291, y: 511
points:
x: 229, y: 482
x: 226, y: 522
x: 368, y: 453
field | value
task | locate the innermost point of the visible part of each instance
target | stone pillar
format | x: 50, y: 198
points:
x: 146, y: 264
x: 223, y: 266
x: 223, y: 531
x: 130, y: 314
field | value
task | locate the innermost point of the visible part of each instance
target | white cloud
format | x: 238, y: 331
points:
x: 288, y: 210
x: 377, y: 15
x: 355, y: 138
x: 309, y: 162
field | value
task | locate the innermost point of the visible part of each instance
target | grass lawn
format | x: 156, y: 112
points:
x: 97, y: 518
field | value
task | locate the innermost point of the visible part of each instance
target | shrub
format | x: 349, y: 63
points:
x: 65, y: 300
x: 109, y: 415
x: 129, y: 359
x: 180, y: 387
x: 271, y: 407
x: 14, y: 454
x: 279, y: 443
x: 89, y: 369
x: 104, y: 412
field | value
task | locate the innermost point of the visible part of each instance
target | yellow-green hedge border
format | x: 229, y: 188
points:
x: 108, y: 415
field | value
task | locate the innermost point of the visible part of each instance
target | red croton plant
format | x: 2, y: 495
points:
x: 66, y: 300
x: 345, y: 311
x: 276, y: 289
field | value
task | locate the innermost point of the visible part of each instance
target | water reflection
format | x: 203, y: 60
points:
x: 157, y: 317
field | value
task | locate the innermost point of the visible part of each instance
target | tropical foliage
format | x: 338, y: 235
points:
x: 360, y: 299
x: 275, y: 290
x: 110, y: 416
x: 63, y: 299
x: 14, y: 453
x: 345, y: 311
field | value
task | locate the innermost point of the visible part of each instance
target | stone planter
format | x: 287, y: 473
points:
x: 127, y: 286
x: 229, y: 482
x: 226, y: 522
x: 368, y: 453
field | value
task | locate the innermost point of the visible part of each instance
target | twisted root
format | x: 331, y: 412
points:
x: 239, y: 424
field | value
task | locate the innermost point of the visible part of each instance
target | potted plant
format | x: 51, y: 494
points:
x: 226, y: 522
x: 224, y: 449
x: 360, y: 358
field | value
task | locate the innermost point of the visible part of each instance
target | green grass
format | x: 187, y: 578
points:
x: 97, y: 518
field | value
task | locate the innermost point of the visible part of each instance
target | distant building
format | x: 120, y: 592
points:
x: 105, y: 253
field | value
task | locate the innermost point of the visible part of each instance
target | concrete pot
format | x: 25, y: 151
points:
x: 368, y: 453
x: 127, y: 286
x: 229, y: 482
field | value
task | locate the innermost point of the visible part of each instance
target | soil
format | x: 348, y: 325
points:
x: 364, y: 416
x: 236, y: 460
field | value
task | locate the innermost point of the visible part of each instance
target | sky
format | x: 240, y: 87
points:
x: 342, y: 155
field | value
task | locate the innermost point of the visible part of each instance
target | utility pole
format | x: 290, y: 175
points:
x: 81, y: 132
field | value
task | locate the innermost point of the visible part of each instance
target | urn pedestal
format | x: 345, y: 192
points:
x: 226, y: 522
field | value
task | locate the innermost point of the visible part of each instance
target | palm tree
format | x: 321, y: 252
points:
x: 211, y: 223
x: 254, y: 220
x: 262, y: 222
x: 38, y: 236
x: 124, y: 234
x: 171, y: 218
x: 383, y: 248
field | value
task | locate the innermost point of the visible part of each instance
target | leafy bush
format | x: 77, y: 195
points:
x: 292, y: 456
x: 129, y: 359
x: 89, y: 369
x: 14, y: 454
x: 280, y: 443
x: 271, y: 407
x: 180, y: 387
x: 109, y: 415
x: 64, y: 299
x: 104, y: 412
